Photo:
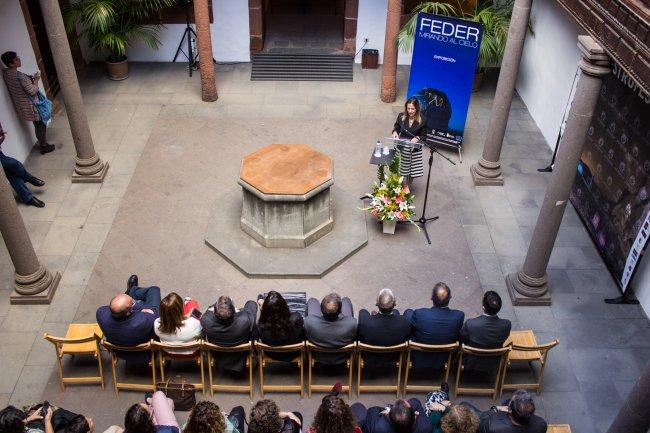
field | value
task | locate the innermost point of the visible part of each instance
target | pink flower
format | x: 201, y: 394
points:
x: 399, y: 215
x: 374, y: 212
x: 406, y: 189
x: 398, y: 200
x: 385, y: 199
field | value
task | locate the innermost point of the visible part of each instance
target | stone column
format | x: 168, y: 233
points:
x: 529, y: 285
x: 256, y: 24
x: 204, y: 42
x: 350, y: 26
x: 88, y: 167
x: 634, y: 416
x: 487, y: 171
x: 33, y: 283
x: 389, y: 65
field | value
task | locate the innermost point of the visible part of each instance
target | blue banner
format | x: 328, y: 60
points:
x: 445, y: 55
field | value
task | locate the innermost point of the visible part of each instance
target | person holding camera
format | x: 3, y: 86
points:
x: 517, y: 417
x: 24, y: 90
x: 43, y: 418
x: 18, y: 176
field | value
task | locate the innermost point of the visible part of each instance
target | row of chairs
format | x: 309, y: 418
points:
x: 521, y: 347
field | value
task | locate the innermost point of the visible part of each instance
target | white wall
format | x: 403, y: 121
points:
x: 371, y: 24
x: 230, y: 37
x: 641, y: 282
x: 548, y: 65
x: 14, y: 37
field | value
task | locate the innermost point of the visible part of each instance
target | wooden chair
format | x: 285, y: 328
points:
x: 168, y: 352
x: 80, y: 339
x: 312, y: 353
x: 264, y: 349
x: 558, y: 428
x: 247, y: 348
x: 526, y: 349
x: 428, y: 348
x: 115, y: 351
x: 366, y: 348
x: 500, y: 353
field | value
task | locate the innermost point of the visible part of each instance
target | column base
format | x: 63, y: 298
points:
x: 480, y: 180
x: 90, y: 178
x: 518, y: 299
x: 44, y: 297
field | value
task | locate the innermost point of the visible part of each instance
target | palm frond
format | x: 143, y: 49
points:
x: 405, y: 37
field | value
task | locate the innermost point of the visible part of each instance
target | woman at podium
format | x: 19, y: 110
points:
x: 410, y: 126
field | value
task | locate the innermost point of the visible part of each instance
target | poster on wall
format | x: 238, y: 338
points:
x: 612, y: 189
x: 445, y: 54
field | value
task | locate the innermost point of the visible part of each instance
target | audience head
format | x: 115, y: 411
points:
x: 275, y: 314
x: 522, y: 406
x: 10, y: 59
x: 265, y: 417
x: 402, y: 416
x: 121, y: 306
x: 330, y: 306
x: 171, y: 313
x: 491, y: 303
x: 441, y: 295
x: 224, y: 309
x: 334, y: 416
x: 80, y: 424
x: 11, y: 418
x: 459, y: 419
x: 385, y: 301
x: 138, y: 419
x: 206, y: 417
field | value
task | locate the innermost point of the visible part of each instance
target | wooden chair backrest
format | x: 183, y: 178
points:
x: 280, y: 349
x: 348, y: 348
x: 362, y: 347
x: 244, y: 347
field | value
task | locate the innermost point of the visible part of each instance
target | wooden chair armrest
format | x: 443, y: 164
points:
x: 280, y: 349
x: 421, y: 347
x: 62, y: 340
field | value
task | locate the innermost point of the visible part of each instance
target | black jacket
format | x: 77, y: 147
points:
x: 484, y: 332
x: 406, y: 132
x: 377, y: 423
x: 494, y: 421
x: 382, y: 330
x: 238, y: 331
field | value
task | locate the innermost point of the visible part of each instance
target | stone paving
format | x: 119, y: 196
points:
x: 151, y: 221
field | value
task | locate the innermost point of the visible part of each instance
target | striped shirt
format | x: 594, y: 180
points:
x: 22, y: 89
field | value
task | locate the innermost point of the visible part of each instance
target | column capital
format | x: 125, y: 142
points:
x: 595, y: 61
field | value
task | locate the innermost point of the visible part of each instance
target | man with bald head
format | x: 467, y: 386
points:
x: 330, y: 323
x: 383, y: 327
x: 129, y: 319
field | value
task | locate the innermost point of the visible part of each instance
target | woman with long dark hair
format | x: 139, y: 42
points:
x: 278, y: 326
x: 334, y: 416
x: 410, y: 126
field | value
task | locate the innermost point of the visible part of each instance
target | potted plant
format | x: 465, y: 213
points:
x: 390, y: 200
x: 113, y: 25
x: 495, y: 17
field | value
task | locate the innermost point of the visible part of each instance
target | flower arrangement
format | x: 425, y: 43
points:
x: 390, y: 200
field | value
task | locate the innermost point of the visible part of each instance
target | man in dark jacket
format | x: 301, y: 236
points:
x: 330, y: 324
x: 224, y: 326
x: 436, y: 325
x: 129, y: 319
x: 403, y: 417
x: 385, y: 327
x: 487, y: 331
x: 518, y: 417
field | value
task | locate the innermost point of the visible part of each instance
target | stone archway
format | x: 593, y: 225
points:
x: 256, y: 24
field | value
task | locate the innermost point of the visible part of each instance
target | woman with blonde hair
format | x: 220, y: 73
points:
x: 411, y: 126
x: 174, y: 326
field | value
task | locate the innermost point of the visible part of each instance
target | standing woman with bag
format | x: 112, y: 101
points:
x: 30, y: 104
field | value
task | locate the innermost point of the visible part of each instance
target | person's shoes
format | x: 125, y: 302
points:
x: 444, y: 387
x: 132, y: 282
x: 336, y: 389
x: 36, y: 202
x: 47, y: 149
x: 36, y: 181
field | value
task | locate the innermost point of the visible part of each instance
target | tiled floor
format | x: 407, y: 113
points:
x: 172, y: 157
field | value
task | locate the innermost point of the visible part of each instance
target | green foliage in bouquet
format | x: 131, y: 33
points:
x: 390, y: 200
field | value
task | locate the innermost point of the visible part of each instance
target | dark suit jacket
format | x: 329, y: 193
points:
x: 499, y: 422
x: 377, y: 423
x: 238, y: 331
x: 135, y: 329
x: 382, y: 330
x: 434, y: 326
x: 484, y: 332
x: 331, y: 333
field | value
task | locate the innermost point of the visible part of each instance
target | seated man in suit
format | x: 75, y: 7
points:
x: 225, y: 326
x: 402, y: 417
x: 436, y: 325
x: 385, y: 327
x: 129, y: 319
x: 487, y: 331
x: 330, y: 324
x: 518, y: 417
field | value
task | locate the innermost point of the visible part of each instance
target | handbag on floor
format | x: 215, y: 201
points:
x: 182, y: 394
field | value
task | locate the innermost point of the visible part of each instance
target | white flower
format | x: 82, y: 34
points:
x: 397, y: 190
x: 403, y: 206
